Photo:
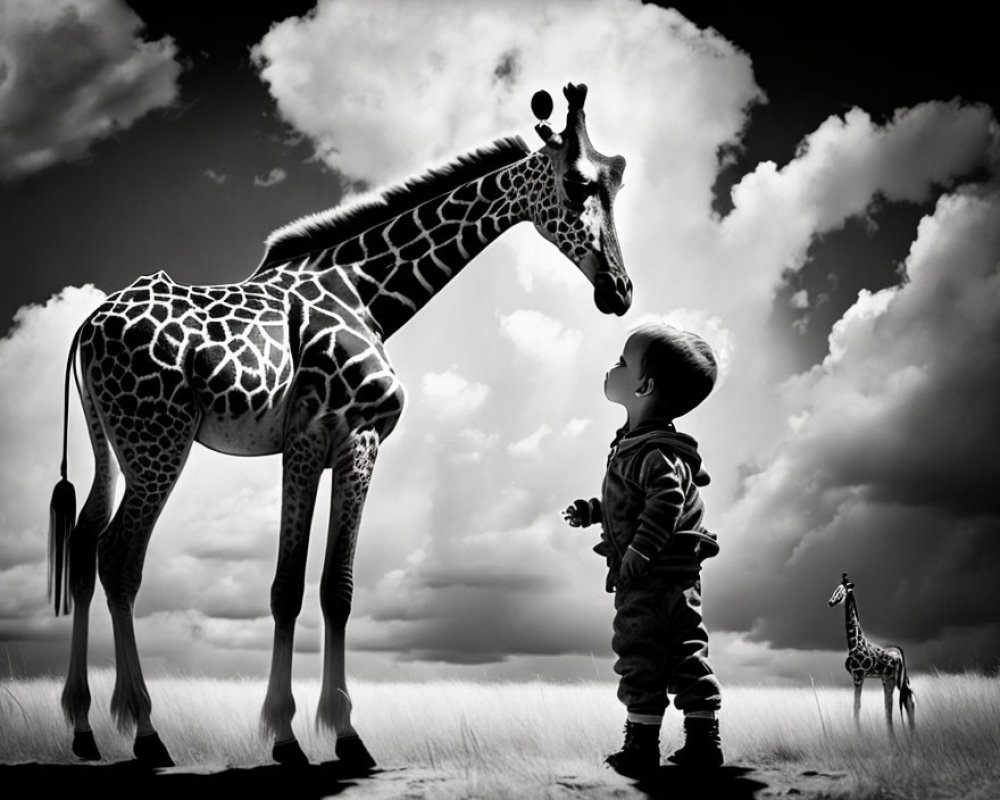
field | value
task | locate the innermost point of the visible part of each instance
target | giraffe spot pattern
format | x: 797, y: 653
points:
x: 230, y: 366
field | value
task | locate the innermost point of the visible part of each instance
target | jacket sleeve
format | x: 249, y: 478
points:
x: 663, y: 489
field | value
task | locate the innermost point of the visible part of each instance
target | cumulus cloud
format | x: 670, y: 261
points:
x: 831, y: 467
x: 215, y: 177
x: 479, y: 443
x: 541, y: 338
x: 372, y: 121
x: 453, y: 395
x: 531, y: 444
x: 576, y: 426
x: 71, y: 73
x: 649, y: 72
x: 32, y: 369
x: 848, y: 162
x: 888, y: 471
x: 276, y: 175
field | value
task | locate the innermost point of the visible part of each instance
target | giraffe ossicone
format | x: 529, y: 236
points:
x: 865, y: 660
x: 292, y: 361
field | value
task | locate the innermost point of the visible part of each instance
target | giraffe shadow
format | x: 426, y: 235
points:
x: 128, y: 779
x: 728, y: 783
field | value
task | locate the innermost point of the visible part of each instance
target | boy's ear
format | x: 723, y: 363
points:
x: 645, y: 388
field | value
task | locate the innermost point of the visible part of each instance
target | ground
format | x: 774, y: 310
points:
x: 125, y: 779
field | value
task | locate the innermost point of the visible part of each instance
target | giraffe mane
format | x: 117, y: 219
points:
x: 325, y: 229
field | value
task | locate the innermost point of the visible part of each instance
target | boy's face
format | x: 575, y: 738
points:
x: 625, y: 378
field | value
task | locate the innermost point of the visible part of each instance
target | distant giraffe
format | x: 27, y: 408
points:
x: 292, y: 361
x: 865, y: 659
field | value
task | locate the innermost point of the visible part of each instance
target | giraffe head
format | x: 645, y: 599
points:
x: 844, y: 588
x: 575, y: 212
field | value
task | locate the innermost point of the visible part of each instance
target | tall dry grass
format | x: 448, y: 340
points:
x: 520, y: 739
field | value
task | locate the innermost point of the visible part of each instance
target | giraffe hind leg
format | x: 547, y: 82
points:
x: 120, y: 557
x: 82, y: 568
x: 906, y: 695
x: 906, y: 701
x: 121, y: 552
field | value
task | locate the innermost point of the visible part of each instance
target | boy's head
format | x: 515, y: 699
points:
x: 673, y: 370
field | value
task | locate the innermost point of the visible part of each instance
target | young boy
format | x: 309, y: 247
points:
x: 654, y: 542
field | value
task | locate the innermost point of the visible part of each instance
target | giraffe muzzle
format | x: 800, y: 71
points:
x: 612, y: 293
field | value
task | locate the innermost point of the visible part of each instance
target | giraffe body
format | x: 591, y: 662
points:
x: 865, y: 660
x: 292, y: 361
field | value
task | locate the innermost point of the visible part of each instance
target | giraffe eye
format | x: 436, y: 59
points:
x: 577, y: 187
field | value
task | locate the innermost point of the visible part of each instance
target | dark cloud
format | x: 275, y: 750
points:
x: 890, y: 471
x: 481, y: 625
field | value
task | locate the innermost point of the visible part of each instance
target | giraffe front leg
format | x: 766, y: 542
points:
x: 304, y: 457
x: 888, y: 683
x: 350, y: 488
x: 858, y: 686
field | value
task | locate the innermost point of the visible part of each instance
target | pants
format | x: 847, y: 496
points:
x: 662, y: 647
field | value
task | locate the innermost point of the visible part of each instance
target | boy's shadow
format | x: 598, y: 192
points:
x: 728, y: 783
x: 127, y: 779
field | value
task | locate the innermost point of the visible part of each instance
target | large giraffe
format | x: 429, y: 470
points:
x: 865, y: 659
x: 291, y: 361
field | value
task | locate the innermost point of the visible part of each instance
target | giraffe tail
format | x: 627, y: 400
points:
x: 62, y: 511
x: 907, y: 697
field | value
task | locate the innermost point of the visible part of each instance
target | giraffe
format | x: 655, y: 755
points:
x: 865, y: 659
x: 292, y: 361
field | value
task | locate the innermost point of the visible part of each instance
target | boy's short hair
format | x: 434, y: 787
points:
x: 682, y: 365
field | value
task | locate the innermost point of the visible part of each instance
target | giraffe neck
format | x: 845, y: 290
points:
x: 855, y: 636
x: 394, y: 268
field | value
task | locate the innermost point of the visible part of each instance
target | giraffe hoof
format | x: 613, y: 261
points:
x: 352, y: 753
x: 289, y: 754
x: 150, y: 752
x: 84, y: 746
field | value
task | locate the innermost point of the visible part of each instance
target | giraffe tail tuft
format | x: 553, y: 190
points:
x: 62, y: 511
x: 62, y: 515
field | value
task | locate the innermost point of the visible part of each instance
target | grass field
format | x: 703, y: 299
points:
x: 518, y: 740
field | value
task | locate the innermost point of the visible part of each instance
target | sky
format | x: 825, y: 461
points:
x: 818, y: 199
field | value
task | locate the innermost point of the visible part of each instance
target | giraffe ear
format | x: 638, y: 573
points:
x: 544, y: 130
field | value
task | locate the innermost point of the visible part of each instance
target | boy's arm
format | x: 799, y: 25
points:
x: 583, y: 513
x: 664, y: 493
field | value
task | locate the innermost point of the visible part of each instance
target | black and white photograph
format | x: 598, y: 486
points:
x: 532, y: 399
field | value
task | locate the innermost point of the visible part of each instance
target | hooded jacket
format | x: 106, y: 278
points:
x: 650, y: 500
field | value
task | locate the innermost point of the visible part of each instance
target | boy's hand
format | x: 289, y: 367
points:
x: 582, y: 513
x: 634, y: 566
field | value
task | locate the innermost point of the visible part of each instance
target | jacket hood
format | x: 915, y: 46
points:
x: 664, y: 435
